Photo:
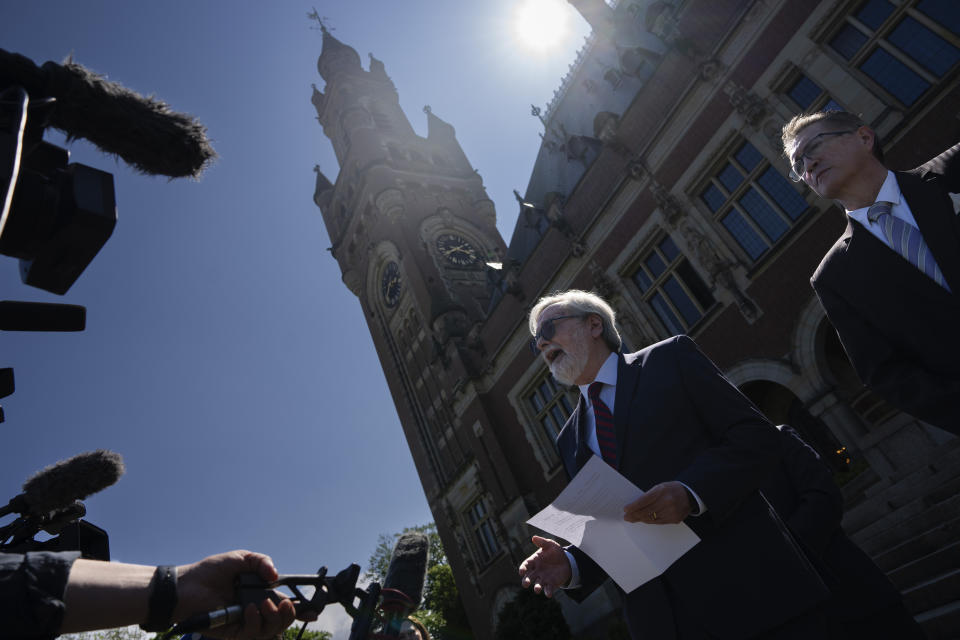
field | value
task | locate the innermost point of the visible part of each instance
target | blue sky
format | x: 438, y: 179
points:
x: 223, y: 357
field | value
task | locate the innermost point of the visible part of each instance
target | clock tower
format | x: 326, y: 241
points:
x: 412, y: 231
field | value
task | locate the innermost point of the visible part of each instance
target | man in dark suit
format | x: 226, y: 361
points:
x: 864, y: 604
x: 890, y: 284
x: 667, y: 419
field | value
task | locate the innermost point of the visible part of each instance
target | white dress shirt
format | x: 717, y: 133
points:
x: 889, y: 192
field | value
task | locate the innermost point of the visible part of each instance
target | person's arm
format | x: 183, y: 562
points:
x: 745, y: 448
x: 102, y: 595
x: 902, y: 382
x: 819, y: 508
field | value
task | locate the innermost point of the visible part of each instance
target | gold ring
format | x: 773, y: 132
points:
x: 654, y: 515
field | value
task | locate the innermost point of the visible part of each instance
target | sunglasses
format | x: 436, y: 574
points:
x: 548, y: 330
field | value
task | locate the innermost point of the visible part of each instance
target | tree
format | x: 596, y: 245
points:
x: 531, y: 616
x: 290, y: 633
x: 442, y: 611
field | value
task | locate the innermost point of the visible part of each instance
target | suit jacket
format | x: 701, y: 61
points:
x: 677, y: 418
x: 803, y: 492
x: 899, y: 327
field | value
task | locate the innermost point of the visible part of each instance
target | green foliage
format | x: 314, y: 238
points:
x: 442, y: 611
x: 290, y: 633
x: 532, y: 617
x: 120, y: 633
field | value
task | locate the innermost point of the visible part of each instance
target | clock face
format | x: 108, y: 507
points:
x: 390, y: 285
x: 457, y: 250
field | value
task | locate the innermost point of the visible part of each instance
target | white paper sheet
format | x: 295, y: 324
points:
x: 589, y: 514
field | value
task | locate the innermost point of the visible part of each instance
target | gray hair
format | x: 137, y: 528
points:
x: 586, y: 303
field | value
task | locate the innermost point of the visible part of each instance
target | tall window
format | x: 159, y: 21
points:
x: 810, y: 96
x: 753, y: 201
x: 904, y: 47
x: 551, y: 407
x: 482, y: 527
x: 672, y: 288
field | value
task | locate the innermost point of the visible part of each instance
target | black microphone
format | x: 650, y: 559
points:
x: 403, y: 586
x: 41, y: 316
x: 143, y: 131
x: 58, y: 486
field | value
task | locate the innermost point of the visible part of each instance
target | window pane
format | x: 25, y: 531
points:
x: 545, y: 392
x: 642, y: 279
x: 669, y: 249
x: 558, y: 416
x: 805, y: 92
x: 848, y: 41
x: 744, y: 234
x: 536, y: 402
x: 655, y: 264
x: 695, y: 284
x: 665, y: 313
x: 730, y: 177
x: 894, y: 76
x: 712, y: 196
x: 761, y: 212
x: 681, y: 301
x: 489, y: 540
x: 874, y: 13
x: 930, y: 50
x: 549, y: 428
x: 833, y: 105
x: 780, y: 190
x: 946, y: 12
x: 748, y: 157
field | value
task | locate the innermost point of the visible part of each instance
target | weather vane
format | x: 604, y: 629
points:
x: 313, y: 15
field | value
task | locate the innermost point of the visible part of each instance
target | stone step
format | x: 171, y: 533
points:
x: 936, y: 481
x: 913, y: 573
x: 942, y: 623
x: 940, y: 536
x: 935, y: 592
x: 909, y: 521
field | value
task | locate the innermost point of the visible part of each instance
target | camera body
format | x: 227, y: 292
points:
x: 57, y: 215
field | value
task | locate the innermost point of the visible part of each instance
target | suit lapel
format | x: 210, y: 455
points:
x: 582, y: 452
x: 870, y: 268
x: 933, y: 210
x: 628, y: 376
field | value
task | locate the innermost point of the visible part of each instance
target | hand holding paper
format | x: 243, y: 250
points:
x: 590, y: 513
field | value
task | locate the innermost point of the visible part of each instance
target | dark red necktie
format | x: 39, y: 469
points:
x: 604, y: 421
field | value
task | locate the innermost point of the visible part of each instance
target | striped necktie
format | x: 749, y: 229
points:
x: 604, y: 422
x: 906, y: 240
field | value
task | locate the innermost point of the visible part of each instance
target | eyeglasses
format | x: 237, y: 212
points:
x: 798, y: 167
x: 547, y: 331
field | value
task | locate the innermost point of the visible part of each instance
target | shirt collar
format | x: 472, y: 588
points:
x: 889, y: 192
x: 607, y: 374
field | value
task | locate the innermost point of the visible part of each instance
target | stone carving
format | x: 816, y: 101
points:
x: 390, y: 203
x: 753, y: 108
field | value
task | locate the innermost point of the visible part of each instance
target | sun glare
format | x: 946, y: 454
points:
x: 539, y: 25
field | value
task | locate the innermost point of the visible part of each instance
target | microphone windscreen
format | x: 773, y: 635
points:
x: 60, y: 484
x: 41, y: 316
x: 144, y: 131
x: 408, y: 567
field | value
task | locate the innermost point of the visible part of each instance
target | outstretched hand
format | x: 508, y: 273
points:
x: 548, y: 569
x: 209, y: 584
x: 664, y: 503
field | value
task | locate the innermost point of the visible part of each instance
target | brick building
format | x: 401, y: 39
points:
x: 661, y: 185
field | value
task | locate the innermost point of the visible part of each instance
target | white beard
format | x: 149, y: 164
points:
x: 570, y: 363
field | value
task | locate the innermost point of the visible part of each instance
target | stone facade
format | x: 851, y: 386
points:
x: 660, y: 184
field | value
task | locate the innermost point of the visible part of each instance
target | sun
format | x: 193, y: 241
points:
x: 540, y: 25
